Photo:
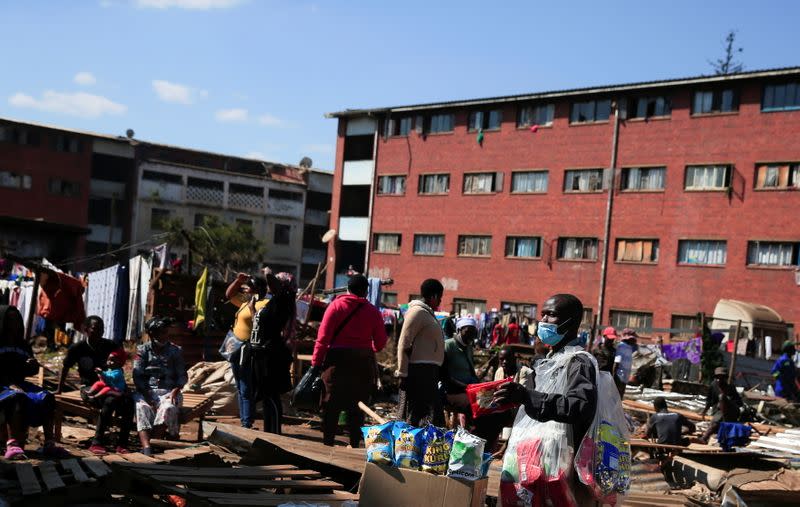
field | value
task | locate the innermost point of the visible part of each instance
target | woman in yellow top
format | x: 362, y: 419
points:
x: 248, y: 293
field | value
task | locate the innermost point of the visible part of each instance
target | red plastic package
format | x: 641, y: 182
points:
x: 480, y: 398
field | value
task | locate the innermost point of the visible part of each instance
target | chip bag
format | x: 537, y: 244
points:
x: 379, y: 443
x: 480, y: 398
x: 438, y: 444
x: 466, y: 457
x: 408, y: 446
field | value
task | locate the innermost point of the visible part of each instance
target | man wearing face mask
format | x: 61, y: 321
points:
x: 458, y: 369
x: 576, y: 405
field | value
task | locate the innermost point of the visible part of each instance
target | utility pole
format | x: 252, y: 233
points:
x: 609, y: 209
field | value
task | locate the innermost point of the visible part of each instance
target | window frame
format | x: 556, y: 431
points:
x: 25, y: 180
x: 394, y: 126
x: 792, y: 177
x: 514, y: 237
x: 727, y: 179
x: 167, y: 215
x: 633, y: 106
x: 640, y: 313
x: 784, y: 84
x: 594, y: 119
x: 655, y: 246
x: 550, y: 107
x: 497, y: 182
x: 586, y: 170
x: 559, y: 249
x: 697, y: 264
x: 469, y: 305
x: 424, y: 254
x: 378, y: 186
x: 75, y: 188
x: 427, y: 123
x: 478, y: 237
x: 795, y: 256
x: 736, y: 101
x: 420, y: 186
x: 527, y: 171
x: 288, y: 228
x: 486, y: 116
x: 392, y: 252
x: 624, y: 177
x: 519, y: 314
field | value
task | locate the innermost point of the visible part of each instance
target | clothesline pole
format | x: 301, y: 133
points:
x: 34, y: 304
x: 733, y: 354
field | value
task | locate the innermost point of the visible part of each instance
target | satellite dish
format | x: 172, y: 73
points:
x: 129, y: 133
x: 329, y: 236
x: 306, y: 162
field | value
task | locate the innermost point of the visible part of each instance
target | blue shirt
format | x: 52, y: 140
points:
x: 114, y: 378
x: 624, y: 358
x: 785, y: 373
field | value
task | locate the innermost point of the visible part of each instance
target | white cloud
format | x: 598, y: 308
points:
x: 80, y: 104
x: 176, y: 93
x: 270, y: 120
x: 84, y: 78
x: 255, y: 154
x: 200, y: 5
x: 319, y: 148
x: 237, y: 115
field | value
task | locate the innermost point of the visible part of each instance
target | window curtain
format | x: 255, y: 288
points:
x: 429, y: 244
x: 435, y: 183
x: 475, y: 245
x: 770, y: 254
x: 526, y: 247
x: 530, y: 182
x: 388, y: 243
x: 703, y: 252
x: 646, y: 178
x: 478, y: 183
x: 579, y: 248
x: 712, y: 176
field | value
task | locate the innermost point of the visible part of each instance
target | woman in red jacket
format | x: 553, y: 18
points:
x: 350, y: 334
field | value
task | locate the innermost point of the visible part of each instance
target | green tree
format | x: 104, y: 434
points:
x: 221, y: 246
x: 727, y: 64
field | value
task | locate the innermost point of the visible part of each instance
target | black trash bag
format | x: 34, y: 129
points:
x: 306, y: 394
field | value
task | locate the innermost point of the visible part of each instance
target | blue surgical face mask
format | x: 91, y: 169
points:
x: 549, y: 334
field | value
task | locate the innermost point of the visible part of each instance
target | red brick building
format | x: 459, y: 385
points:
x: 505, y: 199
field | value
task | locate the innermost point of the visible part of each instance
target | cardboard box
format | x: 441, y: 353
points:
x: 400, y: 487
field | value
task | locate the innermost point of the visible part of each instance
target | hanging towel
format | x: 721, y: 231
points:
x: 374, y: 292
x: 61, y: 299
x: 139, y: 271
x: 200, y: 299
x: 102, y: 297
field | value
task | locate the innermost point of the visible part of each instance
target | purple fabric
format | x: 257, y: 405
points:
x: 690, y: 350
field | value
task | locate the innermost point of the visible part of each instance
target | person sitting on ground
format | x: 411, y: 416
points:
x: 350, y: 334
x: 16, y: 363
x: 111, y: 381
x: 785, y: 373
x: 724, y: 401
x: 159, y: 373
x: 667, y: 427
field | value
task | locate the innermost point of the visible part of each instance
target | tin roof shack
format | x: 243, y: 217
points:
x: 758, y: 323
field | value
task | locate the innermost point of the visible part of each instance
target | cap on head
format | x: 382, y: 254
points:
x: 629, y: 333
x: 610, y: 333
x: 721, y: 371
x: 466, y: 321
x: 119, y: 354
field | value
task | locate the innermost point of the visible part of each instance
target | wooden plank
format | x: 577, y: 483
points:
x: 50, y: 477
x: 269, y: 499
x: 96, y: 466
x: 137, y: 457
x: 74, y: 467
x: 217, y: 482
x: 27, y: 479
x: 113, y: 458
x: 242, y: 473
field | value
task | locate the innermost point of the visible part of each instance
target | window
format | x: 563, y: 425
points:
x: 162, y: 177
x: 707, y: 252
x: 428, y: 244
x: 577, y: 249
x: 486, y: 120
x: 715, y: 101
x: 434, y: 183
x: 391, y: 185
x: 438, y: 123
x: 396, y: 127
x: 781, y: 97
x: 772, y: 253
x: 159, y: 218
x: 389, y: 299
x: 583, y: 180
x: 587, y: 320
x: 64, y: 188
x: 282, y: 234
x: 414, y: 297
x: 387, y: 243
x: 285, y: 195
x: 637, y: 250
x: 637, y: 179
x: 778, y: 176
x: 480, y: 246
x: 483, y: 183
x: 589, y: 111
x: 684, y: 326
x: 529, y: 182
x: 10, y: 179
x: 19, y: 135
x: 521, y: 311
x: 708, y: 177
x: 523, y: 246
x: 463, y: 306
x: 647, y: 107
x: 635, y: 320
x: 541, y: 115
x: 66, y: 144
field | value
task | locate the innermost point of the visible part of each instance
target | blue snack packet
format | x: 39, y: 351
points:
x: 487, y: 461
x: 379, y: 442
x: 408, y: 446
x: 437, y: 450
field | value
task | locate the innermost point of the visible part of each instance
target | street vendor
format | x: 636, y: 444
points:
x: 458, y: 368
x: 724, y: 401
x: 784, y: 372
x: 576, y: 405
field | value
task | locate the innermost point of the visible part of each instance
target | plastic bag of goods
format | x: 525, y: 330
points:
x: 480, y: 398
x: 379, y: 442
x: 438, y: 444
x: 466, y: 456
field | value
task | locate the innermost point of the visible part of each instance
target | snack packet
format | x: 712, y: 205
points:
x: 480, y: 398
x: 379, y: 443
x: 437, y: 445
x: 466, y: 456
x: 408, y: 446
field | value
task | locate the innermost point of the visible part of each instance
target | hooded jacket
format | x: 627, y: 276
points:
x: 421, y: 339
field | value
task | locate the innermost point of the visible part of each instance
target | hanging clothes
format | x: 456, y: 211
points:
x: 121, y: 306
x: 102, y: 297
x: 374, y: 292
x: 140, y: 269
x: 61, y: 299
x: 26, y: 304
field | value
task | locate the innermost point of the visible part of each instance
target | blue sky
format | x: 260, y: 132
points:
x: 254, y: 77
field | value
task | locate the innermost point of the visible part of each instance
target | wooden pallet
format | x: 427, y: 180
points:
x: 53, y: 476
x: 253, y: 485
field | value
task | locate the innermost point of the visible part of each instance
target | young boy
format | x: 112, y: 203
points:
x: 111, y: 381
